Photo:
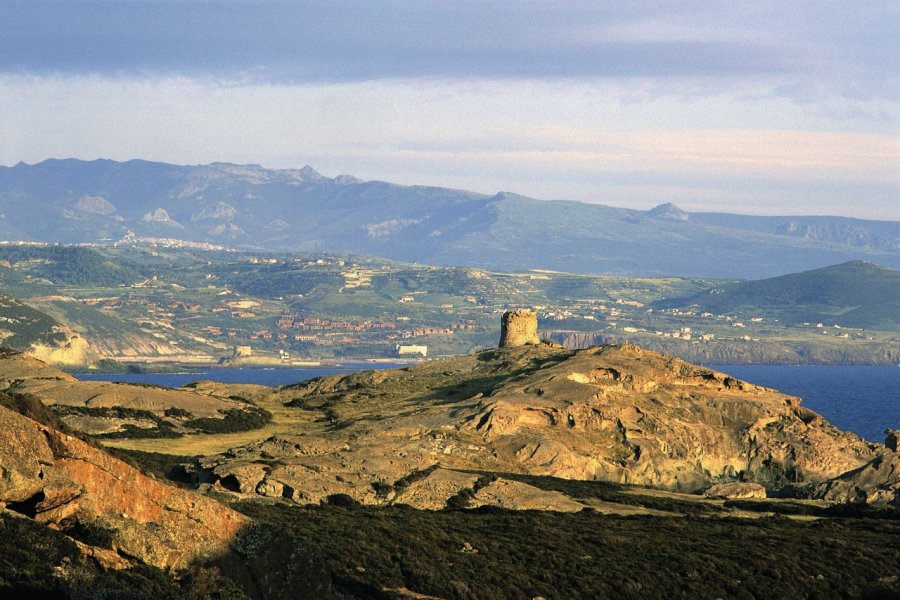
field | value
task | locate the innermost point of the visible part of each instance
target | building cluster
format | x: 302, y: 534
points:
x: 130, y: 239
x: 320, y: 324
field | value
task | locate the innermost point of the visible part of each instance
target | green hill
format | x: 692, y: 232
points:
x: 21, y: 326
x: 72, y: 265
x: 852, y: 294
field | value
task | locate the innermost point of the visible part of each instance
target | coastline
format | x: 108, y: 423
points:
x: 168, y: 365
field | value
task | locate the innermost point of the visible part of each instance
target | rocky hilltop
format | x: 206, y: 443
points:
x: 451, y: 428
x: 425, y: 434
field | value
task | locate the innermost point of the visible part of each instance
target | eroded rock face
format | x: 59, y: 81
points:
x: 877, y: 482
x: 67, y: 484
x: 58, y: 479
x: 613, y: 413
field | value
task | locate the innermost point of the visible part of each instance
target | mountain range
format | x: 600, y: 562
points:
x: 250, y: 207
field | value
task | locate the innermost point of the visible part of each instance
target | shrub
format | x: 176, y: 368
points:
x: 234, y: 420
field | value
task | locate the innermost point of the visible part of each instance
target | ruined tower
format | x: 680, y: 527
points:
x: 518, y: 328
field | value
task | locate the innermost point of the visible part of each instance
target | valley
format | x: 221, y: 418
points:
x: 160, y: 305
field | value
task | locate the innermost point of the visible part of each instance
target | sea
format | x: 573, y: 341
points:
x: 861, y: 399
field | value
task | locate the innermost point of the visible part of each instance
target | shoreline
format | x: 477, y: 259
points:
x: 163, y: 366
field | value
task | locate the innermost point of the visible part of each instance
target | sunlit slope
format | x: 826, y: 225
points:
x: 853, y: 294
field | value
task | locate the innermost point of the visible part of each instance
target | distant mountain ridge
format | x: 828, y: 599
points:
x: 250, y: 207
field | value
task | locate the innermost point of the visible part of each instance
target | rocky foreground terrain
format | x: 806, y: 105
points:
x: 122, y: 520
x: 425, y: 434
x: 465, y: 432
x: 112, y: 410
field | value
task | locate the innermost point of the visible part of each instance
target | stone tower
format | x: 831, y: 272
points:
x: 518, y: 328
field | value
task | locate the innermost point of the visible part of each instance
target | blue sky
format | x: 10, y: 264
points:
x: 753, y: 107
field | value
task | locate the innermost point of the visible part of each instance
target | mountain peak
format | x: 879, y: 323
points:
x: 310, y: 174
x: 668, y: 211
x: 347, y: 179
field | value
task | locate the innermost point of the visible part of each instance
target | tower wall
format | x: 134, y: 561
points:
x: 518, y: 328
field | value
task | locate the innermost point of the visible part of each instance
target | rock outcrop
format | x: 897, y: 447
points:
x: 612, y: 413
x: 73, y: 487
x: 62, y: 481
x: 877, y: 482
x: 735, y: 490
x: 104, y: 408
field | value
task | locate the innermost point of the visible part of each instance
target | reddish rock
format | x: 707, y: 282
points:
x: 56, y: 479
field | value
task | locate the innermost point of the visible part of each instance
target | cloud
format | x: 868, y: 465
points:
x: 763, y: 106
x: 613, y: 143
x: 356, y: 40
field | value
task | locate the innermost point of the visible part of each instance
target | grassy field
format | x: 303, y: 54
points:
x: 284, y: 420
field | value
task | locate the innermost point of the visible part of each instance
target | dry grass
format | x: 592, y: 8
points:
x: 284, y: 420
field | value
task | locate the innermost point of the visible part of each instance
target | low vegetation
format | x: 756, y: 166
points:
x: 160, y: 428
x: 73, y: 265
x: 39, y: 563
x: 157, y: 464
x: 233, y: 420
x: 493, y: 553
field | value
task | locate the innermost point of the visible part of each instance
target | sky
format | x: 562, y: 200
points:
x: 750, y: 107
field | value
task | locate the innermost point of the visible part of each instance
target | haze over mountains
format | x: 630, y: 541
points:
x: 250, y: 207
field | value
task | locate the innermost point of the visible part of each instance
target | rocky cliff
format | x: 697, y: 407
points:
x: 120, y: 518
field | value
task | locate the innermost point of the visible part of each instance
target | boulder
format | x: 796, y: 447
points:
x: 735, y: 490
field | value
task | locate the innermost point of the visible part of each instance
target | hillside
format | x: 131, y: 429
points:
x: 156, y: 303
x: 80, y: 523
x: 422, y: 435
x: 854, y: 294
x: 446, y: 478
x: 247, y: 206
x: 22, y: 327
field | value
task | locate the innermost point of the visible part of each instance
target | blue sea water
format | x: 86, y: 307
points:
x: 280, y: 376
x: 861, y: 399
